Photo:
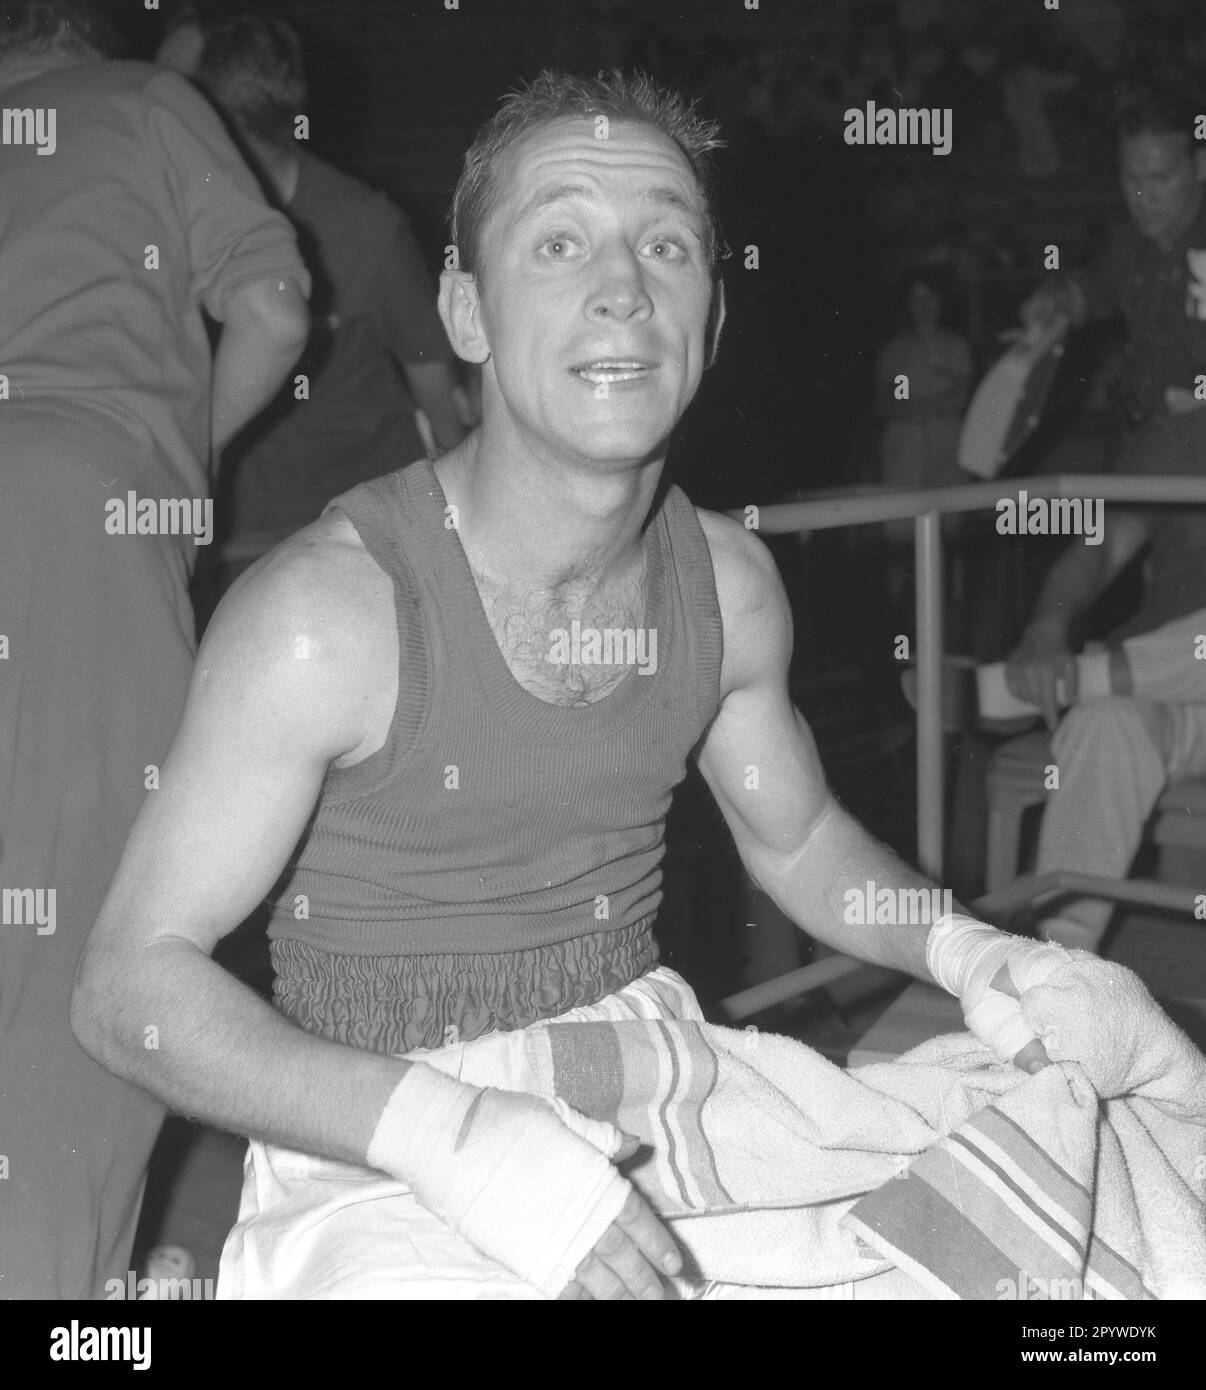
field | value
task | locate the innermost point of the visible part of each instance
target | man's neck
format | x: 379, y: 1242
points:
x: 532, y: 524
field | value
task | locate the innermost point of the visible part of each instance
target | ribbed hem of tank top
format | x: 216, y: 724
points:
x: 395, y: 1004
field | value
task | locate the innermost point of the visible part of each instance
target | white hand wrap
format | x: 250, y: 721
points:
x: 529, y: 1182
x: 964, y: 956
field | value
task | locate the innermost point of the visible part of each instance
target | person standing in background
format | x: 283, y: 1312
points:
x: 922, y: 379
x: 377, y: 348
x: 140, y: 216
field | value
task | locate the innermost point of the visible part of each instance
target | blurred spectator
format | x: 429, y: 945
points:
x: 114, y: 396
x: 377, y: 346
x: 1028, y: 82
x: 1152, y: 272
x: 920, y: 441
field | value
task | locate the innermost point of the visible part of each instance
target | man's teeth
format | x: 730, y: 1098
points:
x: 599, y: 372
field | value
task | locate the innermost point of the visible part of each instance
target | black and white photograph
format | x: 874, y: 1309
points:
x: 602, y: 669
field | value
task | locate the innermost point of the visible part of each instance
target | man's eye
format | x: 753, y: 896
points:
x: 663, y: 249
x: 559, y: 248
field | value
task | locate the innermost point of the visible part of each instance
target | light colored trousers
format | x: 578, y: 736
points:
x: 313, y: 1228
x: 1116, y: 755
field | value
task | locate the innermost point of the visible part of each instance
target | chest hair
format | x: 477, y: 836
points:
x: 524, y: 621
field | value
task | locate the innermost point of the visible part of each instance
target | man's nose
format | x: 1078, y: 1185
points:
x: 620, y: 291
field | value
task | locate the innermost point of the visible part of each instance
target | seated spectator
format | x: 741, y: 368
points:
x: 1116, y: 754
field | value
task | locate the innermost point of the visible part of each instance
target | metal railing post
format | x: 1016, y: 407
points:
x: 928, y: 585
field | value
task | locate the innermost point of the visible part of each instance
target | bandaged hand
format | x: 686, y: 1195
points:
x: 989, y: 971
x: 1020, y: 995
x: 1100, y: 1014
x: 528, y: 1182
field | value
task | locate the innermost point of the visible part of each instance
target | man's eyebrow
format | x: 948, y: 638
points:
x: 671, y: 197
x: 542, y: 199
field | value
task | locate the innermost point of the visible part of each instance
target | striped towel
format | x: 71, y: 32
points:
x: 991, y: 1212
x: 773, y: 1167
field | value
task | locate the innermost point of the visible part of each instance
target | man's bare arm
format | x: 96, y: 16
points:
x: 760, y: 760
x: 797, y: 843
x: 271, y: 705
x: 263, y: 333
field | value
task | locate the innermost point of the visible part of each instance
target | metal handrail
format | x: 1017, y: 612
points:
x: 868, y: 505
x: 926, y: 507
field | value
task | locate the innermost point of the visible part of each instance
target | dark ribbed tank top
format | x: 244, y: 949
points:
x: 497, y: 860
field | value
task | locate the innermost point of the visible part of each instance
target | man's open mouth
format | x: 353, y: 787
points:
x: 610, y: 370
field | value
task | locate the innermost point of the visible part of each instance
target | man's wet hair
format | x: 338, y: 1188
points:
x: 74, y: 27
x: 253, y: 70
x: 1152, y: 112
x: 555, y: 96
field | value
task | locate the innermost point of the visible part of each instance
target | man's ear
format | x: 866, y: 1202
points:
x: 460, y: 313
x: 716, y: 313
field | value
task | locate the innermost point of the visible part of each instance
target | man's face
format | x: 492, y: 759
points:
x: 1160, y: 183
x: 595, y: 290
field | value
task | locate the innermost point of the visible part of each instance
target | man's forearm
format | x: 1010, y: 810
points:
x: 1071, y: 588
x: 248, y: 372
x: 176, y: 1023
x: 832, y: 889
x: 263, y: 335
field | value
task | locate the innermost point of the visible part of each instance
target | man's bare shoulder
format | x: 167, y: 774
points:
x: 312, y: 623
x: 322, y: 577
x: 747, y: 578
x: 754, y: 609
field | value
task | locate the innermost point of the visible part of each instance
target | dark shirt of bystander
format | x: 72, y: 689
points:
x: 373, y: 309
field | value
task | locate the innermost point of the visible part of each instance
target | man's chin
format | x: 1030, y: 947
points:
x: 614, y: 441
x: 618, y: 452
